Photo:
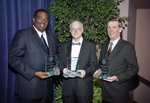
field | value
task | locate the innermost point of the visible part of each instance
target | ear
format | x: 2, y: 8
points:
x: 120, y: 29
x: 82, y: 30
x: 33, y: 19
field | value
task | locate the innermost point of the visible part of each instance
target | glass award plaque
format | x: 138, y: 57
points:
x: 105, y: 69
x: 51, y: 65
x: 73, y: 67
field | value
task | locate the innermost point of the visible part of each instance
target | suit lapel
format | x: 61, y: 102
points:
x: 69, y: 49
x: 50, y: 43
x: 37, y: 39
x: 82, y: 50
x: 115, y: 51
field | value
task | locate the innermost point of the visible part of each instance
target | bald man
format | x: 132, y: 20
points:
x: 78, y: 89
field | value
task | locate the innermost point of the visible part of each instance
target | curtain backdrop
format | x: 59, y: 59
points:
x: 14, y: 15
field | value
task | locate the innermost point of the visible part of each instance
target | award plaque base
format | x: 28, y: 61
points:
x: 52, y: 73
x: 101, y: 76
x: 71, y: 74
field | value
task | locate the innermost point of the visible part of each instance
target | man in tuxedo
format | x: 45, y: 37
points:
x: 123, y: 65
x: 27, y: 56
x: 78, y: 89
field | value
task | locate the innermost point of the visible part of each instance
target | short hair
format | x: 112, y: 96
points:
x: 40, y: 10
x: 116, y: 19
x: 77, y: 21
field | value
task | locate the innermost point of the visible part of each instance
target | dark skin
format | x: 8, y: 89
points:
x: 41, y: 23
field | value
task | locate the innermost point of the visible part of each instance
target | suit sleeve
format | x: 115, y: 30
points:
x: 16, y: 55
x: 131, y: 65
x: 93, y: 61
x: 61, y: 64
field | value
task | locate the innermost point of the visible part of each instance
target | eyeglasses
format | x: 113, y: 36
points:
x: 73, y: 29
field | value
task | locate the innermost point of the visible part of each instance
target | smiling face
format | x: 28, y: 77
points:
x: 113, y: 29
x: 76, y: 30
x: 41, y: 21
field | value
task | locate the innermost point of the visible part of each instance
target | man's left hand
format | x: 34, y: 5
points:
x: 82, y: 73
x: 111, y: 79
x: 58, y: 70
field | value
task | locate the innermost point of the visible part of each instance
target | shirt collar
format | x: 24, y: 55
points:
x: 115, y: 41
x: 39, y: 33
x: 81, y: 40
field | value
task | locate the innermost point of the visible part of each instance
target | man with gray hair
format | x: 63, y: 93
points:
x: 78, y: 89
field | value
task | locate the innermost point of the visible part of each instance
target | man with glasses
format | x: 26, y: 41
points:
x: 78, y: 89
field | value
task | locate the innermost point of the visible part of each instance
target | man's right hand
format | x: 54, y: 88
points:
x: 40, y: 75
x: 98, y: 71
x: 66, y: 70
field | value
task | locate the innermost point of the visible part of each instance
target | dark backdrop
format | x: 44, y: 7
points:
x: 14, y: 15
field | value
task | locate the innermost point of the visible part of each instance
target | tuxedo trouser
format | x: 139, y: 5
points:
x: 72, y: 98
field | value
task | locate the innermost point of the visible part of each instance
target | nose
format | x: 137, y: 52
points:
x: 42, y: 20
x: 75, y: 30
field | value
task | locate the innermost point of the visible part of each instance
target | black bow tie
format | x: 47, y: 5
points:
x: 76, y: 43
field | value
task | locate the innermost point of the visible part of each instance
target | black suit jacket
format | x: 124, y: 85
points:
x: 27, y: 56
x: 124, y: 65
x: 87, y: 62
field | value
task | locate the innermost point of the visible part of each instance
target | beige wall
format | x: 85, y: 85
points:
x: 142, y: 41
x: 138, y: 33
x: 132, y: 23
x: 124, y: 11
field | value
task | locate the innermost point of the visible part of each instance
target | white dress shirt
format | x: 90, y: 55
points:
x: 75, y: 50
x: 114, y: 44
x: 40, y: 34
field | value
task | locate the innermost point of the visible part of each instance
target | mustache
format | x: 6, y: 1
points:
x: 42, y: 23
